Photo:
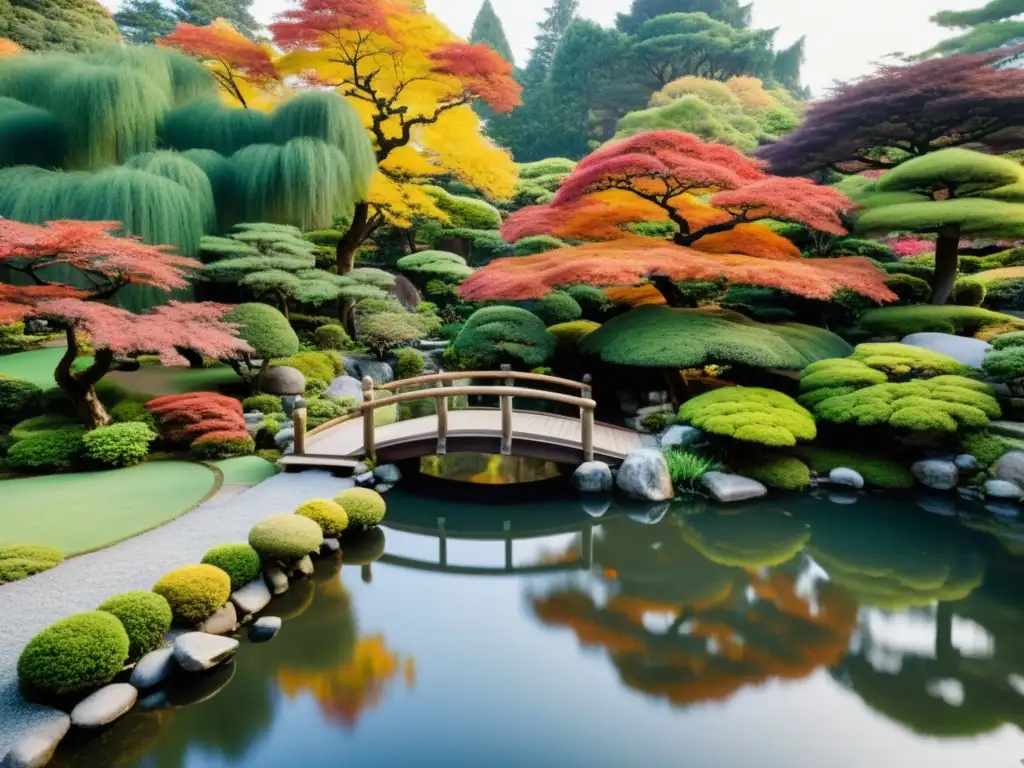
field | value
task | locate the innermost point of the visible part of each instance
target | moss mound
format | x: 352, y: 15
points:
x: 785, y: 473
x: 329, y: 515
x: 364, y: 506
x: 750, y: 414
x: 901, y: 362
x: 194, y: 592
x: 73, y: 656
x: 145, y: 616
x: 286, y: 537
x: 876, y: 470
x: 19, y: 561
x: 239, y: 561
x: 963, y: 321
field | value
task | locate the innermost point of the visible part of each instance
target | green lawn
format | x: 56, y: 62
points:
x: 246, y: 470
x: 37, y: 365
x: 89, y: 510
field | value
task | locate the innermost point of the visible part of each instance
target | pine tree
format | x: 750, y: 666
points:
x: 200, y: 13
x: 143, y: 21
x: 559, y: 16
x: 487, y: 29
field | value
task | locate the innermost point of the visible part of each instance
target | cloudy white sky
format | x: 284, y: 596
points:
x: 843, y: 38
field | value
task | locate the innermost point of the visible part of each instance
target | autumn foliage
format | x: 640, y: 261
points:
x: 8, y: 47
x: 189, y: 417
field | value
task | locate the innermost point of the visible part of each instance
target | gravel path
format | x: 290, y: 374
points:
x: 82, y: 583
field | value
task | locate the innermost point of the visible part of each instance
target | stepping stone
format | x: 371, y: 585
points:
x: 198, y: 651
x: 727, y: 488
x: 36, y: 749
x: 104, y: 706
x: 252, y: 598
x: 223, y: 621
x: 152, y: 669
x: 264, y: 629
x: 277, y: 580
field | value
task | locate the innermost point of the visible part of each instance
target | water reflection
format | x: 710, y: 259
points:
x: 484, y: 469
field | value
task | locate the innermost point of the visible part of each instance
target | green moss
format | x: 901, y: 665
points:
x: 329, y: 515
x: 910, y: 289
x: 266, y: 404
x: 876, y: 470
x: 410, y: 364
x: 19, y: 561
x: 839, y: 376
x: 332, y: 337
x: 988, y: 448
x: 47, y: 422
x: 239, y: 561
x: 73, y: 656
x: 194, y: 592
x: 901, y: 321
x: 1007, y: 363
x: 592, y: 301
x: 119, y: 445
x: 286, y: 537
x: 903, y: 361
x: 968, y: 292
x: 1008, y: 340
x: 496, y: 335
x: 365, y: 507
x: 750, y: 414
x: 786, y: 473
x: 145, y: 616
x: 558, y: 307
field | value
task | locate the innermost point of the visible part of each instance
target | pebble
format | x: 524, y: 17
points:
x: 152, y: 669
x: 104, y: 706
x: 197, y: 651
x: 264, y: 629
x: 36, y: 749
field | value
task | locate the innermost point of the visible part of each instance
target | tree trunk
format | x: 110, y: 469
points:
x: 283, y: 298
x: 946, y: 261
x: 81, y: 388
x: 352, y: 239
x: 672, y: 293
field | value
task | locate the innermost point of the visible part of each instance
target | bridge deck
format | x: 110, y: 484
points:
x: 536, y: 435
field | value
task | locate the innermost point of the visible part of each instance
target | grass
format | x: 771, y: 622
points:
x: 687, y: 469
x: 246, y: 470
x: 37, y: 365
x: 86, y: 511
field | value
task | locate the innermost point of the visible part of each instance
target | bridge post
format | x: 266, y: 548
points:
x: 506, y: 416
x: 587, y: 421
x: 369, y: 441
x: 442, y: 423
x: 506, y: 526
x: 299, y: 425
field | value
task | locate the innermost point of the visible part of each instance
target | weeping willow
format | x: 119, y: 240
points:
x: 29, y: 135
x: 177, y: 167
x: 208, y: 124
x: 221, y: 175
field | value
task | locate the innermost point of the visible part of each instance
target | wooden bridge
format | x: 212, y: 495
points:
x: 340, y: 444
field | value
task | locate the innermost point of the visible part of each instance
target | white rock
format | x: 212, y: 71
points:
x: 305, y: 566
x: 364, y: 480
x: 276, y: 579
x: 592, y: 477
x: 36, y: 749
x: 264, y: 629
x: 198, y: 651
x: 104, y: 706
x: 388, y: 473
x: 644, y: 475
x: 152, y: 669
x: 847, y: 477
x: 1003, y: 489
x: 939, y: 474
x: 680, y: 436
x: 727, y: 488
x: 1011, y: 467
x: 252, y: 598
x: 224, y: 620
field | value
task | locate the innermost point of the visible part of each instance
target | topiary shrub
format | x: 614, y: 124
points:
x: 239, y: 561
x: 18, y: 399
x: 968, y: 292
x: 527, y: 246
x: 365, y: 507
x: 785, y: 473
x: 910, y: 289
x: 558, y: 307
x: 496, y: 335
x: 901, y: 362
x: 266, y: 404
x: 450, y: 268
x: 265, y: 329
x: 592, y: 301
x: 47, y: 451
x: 876, y: 470
x: 331, y: 337
x: 901, y: 321
x: 750, y: 414
x: 286, y: 537
x: 1008, y: 340
x: 329, y: 515
x: 19, y: 561
x: 39, y: 425
x: 132, y: 411
x: 221, y: 445
x: 73, y: 656
x: 410, y: 364
x: 571, y: 334
x: 119, y: 445
x: 145, y: 616
x: 1005, y: 295
x: 194, y: 592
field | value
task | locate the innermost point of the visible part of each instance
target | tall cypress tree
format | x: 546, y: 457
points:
x: 487, y: 29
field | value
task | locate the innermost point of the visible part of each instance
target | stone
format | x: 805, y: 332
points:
x: 1010, y: 467
x: 592, y: 477
x: 152, y: 669
x: 345, y: 386
x: 252, y: 598
x: 285, y: 436
x: 104, y: 706
x: 330, y: 546
x: 644, y: 475
x: 971, y: 494
x: 938, y: 474
x: 276, y: 579
x: 305, y: 566
x: 427, y: 344
x: 383, y: 488
x: 1003, y: 509
x: 846, y: 476
x: 379, y: 371
x: 265, y: 628
x: 1003, y: 489
x: 36, y: 749
x: 288, y: 404
x: 365, y: 480
x: 36, y: 326
x: 254, y: 418
x: 680, y: 436
x: 198, y: 651
x: 284, y: 380
x: 289, y: 449
x: 966, y: 463
x: 726, y: 488
x: 967, y: 351
x: 388, y: 473
x: 596, y: 506
x: 650, y: 410
x: 154, y: 701
x: 224, y: 620
x: 658, y: 398
x: 361, y: 468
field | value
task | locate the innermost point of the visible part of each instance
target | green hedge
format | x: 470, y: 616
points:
x: 968, y: 292
x: 268, y: 405
x: 48, y: 451
x: 145, y: 616
x: 332, y: 337
x: 239, y: 561
x: 221, y: 446
x: 18, y: 399
x: 558, y: 307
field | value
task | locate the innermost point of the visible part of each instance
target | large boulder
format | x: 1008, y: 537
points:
x: 726, y: 488
x: 679, y: 436
x: 644, y: 475
x: 592, y: 477
x: 284, y: 380
x: 359, y: 366
x: 1010, y: 467
x: 345, y: 386
x: 940, y: 474
x: 967, y: 351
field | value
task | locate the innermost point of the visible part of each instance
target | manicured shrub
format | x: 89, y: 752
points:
x: 331, y: 337
x: 785, y: 473
x: 19, y: 561
x: 329, y: 515
x: 324, y: 237
x: 1006, y: 364
x: 132, y: 411
x: 558, y: 307
x: 194, y: 592
x: 324, y: 365
x: 384, y: 331
x: 876, y: 470
x: 900, y: 362
x: 73, y: 656
x: 750, y: 414
x: 571, y: 334
x: 839, y: 376
x: 910, y: 289
x: 527, y: 246
x: 185, y: 418
x: 968, y: 292
x: 265, y: 404
x: 365, y: 507
x: 410, y: 364
x: 286, y: 537
x: 1005, y: 295
x: 48, y: 451
x: 119, y: 445
x: 18, y: 399
x: 435, y: 265
x: 592, y: 301
x: 39, y: 425
x: 320, y: 411
x: 221, y: 445
x: 239, y: 561
x: 901, y: 321
x: 922, y: 271
x: 496, y: 335
x: 1008, y: 340
x: 686, y: 469
x: 145, y: 616
x: 265, y: 329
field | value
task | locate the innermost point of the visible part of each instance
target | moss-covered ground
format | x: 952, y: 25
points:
x: 246, y: 470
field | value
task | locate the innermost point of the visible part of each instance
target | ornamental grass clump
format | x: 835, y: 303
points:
x: 239, y: 561
x: 73, y: 656
x: 750, y: 414
x: 19, y: 561
x: 145, y: 616
x: 286, y: 537
x: 365, y: 507
x: 194, y: 592
x: 329, y: 515
x: 686, y: 469
x: 119, y: 445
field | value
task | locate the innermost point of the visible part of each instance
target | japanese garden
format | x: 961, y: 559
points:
x: 371, y: 381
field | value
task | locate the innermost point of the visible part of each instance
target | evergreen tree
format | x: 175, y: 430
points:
x: 487, y: 29
x: 728, y: 11
x: 78, y: 26
x: 203, y: 12
x: 994, y: 25
x: 143, y: 21
x: 559, y: 16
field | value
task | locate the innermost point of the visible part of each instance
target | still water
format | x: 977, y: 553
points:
x: 800, y: 632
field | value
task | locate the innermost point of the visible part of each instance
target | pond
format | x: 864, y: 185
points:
x: 493, y: 632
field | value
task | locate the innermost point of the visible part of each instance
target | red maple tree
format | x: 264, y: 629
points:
x: 198, y: 416
x: 107, y: 263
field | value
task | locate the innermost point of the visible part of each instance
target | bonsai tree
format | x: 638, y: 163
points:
x: 267, y: 333
x: 496, y: 335
x: 950, y: 193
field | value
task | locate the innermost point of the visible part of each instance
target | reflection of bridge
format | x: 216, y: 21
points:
x: 341, y: 443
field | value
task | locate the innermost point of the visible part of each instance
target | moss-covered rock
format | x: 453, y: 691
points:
x: 329, y: 515
x: 365, y: 507
x: 750, y: 414
x: 784, y: 473
x: 239, y: 561
x: 145, y: 616
x: 876, y: 470
x: 286, y: 537
x: 194, y: 592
